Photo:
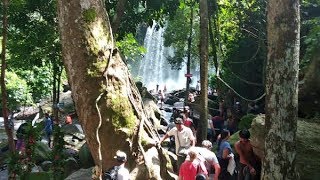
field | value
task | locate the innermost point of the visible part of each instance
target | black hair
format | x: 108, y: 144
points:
x: 224, y: 133
x: 244, y: 133
x: 201, y: 176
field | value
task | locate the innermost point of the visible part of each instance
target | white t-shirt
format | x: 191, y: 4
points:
x: 209, y: 122
x: 123, y: 173
x: 209, y: 157
x: 185, y: 137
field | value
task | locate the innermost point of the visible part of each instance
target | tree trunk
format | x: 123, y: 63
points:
x: 282, y: 90
x: 214, y: 47
x: 117, y: 17
x: 107, y: 101
x: 5, y: 112
x: 189, y: 52
x: 55, y: 100
x: 203, y: 124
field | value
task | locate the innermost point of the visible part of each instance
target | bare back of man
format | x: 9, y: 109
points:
x: 250, y: 163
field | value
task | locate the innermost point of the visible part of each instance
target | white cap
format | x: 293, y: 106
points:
x: 120, y: 156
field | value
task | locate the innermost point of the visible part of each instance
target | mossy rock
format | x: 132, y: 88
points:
x: 38, y: 176
x: 245, y: 122
x: 85, y: 157
x: 308, y: 149
x: 42, y: 152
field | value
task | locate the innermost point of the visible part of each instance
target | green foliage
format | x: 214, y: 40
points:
x: 38, y: 80
x: 12, y: 161
x: 213, y: 81
x: 34, y: 50
x: 130, y: 47
x: 177, y: 33
x: 22, y: 162
x: 243, y: 49
x: 137, y: 12
x: 310, y: 31
x: 17, y: 90
x: 57, y: 153
x: 245, y: 122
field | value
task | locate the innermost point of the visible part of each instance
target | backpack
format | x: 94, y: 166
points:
x: 201, y: 174
x: 112, y: 173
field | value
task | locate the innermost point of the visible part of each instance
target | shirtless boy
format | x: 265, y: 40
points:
x: 250, y: 164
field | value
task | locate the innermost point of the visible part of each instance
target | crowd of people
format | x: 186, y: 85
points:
x: 227, y: 163
x: 205, y: 162
x: 202, y: 162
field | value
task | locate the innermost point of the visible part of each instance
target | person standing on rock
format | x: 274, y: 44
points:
x: 184, y: 139
x: 123, y: 172
x: 161, y: 98
x: 48, y: 128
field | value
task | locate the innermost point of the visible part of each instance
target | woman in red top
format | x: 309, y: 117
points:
x: 191, y: 167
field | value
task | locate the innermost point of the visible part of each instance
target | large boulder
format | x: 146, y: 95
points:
x: 81, y: 174
x: 66, y: 104
x: 71, y: 165
x: 308, y: 149
x: 153, y: 161
x: 258, y: 134
x: 42, y: 152
x: 171, y: 100
x: 85, y: 157
x: 27, y: 113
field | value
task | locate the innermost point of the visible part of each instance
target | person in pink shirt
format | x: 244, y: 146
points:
x: 192, y: 166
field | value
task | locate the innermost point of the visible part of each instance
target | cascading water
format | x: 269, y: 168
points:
x: 154, y: 68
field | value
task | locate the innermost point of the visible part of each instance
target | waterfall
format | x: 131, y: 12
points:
x: 154, y: 68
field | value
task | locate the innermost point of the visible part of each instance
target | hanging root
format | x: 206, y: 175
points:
x: 98, y: 168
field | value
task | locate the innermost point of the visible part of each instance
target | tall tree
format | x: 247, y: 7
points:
x: 189, y: 50
x: 107, y: 101
x: 202, y: 132
x: 5, y: 112
x: 282, y: 89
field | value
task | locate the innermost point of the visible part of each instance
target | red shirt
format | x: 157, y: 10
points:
x: 188, y: 170
x: 188, y: 122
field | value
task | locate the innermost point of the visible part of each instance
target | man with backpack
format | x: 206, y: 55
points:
x: 119, y: 172
x: 210, y: 159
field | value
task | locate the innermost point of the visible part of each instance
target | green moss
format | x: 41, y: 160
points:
x: 123, y: 116
x: 245, y: 122
x: 143, y: 141
x: 97, y: 68
x: 89, y: 15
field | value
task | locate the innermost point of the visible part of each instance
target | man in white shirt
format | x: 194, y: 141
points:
x: 183, y: 138
x: 209, y: 158
x: 123, y: 173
